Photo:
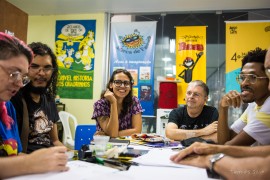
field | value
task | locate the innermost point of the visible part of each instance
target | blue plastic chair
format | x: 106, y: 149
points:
x: 84, y: 135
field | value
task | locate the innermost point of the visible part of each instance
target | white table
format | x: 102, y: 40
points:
x: 155, y: 165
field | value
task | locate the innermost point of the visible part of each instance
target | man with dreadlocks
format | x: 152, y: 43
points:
x: 36, y: 110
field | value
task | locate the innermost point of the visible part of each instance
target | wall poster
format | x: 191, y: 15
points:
x: 132, y: 48
x: 75, y: 51
x: 241, y: 37
x: 190, y: 57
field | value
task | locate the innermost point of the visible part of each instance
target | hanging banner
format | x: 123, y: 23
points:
x: 241, y: 37
x: 75, y: 51
x: 190, y: 57
x: 132, y: 48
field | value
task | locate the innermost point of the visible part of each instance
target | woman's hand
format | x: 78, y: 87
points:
x: 109, y: 95
x: 100, y: 133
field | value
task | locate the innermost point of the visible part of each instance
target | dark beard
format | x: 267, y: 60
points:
x: 36, y: 90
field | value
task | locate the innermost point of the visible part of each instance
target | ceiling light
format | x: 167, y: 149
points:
x: 166, y: 59
x: 172, y: 45
x: 167, y: 68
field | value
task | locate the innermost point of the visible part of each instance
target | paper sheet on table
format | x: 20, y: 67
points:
x: 162, y: 173
x: 159, y: 157
x: 79, y: 170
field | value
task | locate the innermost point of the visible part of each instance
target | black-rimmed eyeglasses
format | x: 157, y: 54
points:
x: 119, y: 83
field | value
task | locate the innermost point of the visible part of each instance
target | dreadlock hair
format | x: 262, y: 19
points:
x: 256, y: 55
x: 41, y: 49
x: 127, y: 102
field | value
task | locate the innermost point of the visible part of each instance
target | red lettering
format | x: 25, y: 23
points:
x: 184, y: 46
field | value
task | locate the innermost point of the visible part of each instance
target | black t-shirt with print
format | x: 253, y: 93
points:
x: 42, y: 116
x: 180, y: 117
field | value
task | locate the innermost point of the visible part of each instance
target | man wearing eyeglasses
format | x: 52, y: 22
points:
x: 195, y: 119
x: 36, y: 110
x: 253, y: 127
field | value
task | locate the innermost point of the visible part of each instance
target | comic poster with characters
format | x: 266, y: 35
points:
x: 132, y: 48
x: 190, y: 57
x: 75, y: 52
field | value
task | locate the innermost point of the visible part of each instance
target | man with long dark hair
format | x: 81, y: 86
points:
x: 35, y: 101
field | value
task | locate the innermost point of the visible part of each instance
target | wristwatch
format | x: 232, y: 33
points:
x: 214, y: 159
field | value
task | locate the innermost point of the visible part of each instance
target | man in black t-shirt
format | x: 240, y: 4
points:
x: 195, y: 119
x: 37, y: 123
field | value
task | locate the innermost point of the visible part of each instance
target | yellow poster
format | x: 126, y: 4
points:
x: 241, y: 37
x: 190, y: 57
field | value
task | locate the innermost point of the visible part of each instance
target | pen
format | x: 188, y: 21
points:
x: 120, y: 162
x: 116, y: 163
x: 127, y: 162
x: 135, y: 163
x: 100, y: 160
x: 131, y: 163
x: 124, y: 158
x: 178, y: 148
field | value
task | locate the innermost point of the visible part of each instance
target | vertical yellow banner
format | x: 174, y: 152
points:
x: 241, y: 37
x: 190, y: 57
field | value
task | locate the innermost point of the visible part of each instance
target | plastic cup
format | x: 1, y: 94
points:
x: 100, y: 144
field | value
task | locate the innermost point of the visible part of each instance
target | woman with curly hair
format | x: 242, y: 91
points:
x: 118, y: 112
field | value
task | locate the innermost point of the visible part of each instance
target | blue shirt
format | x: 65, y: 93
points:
x: 10, y: 137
